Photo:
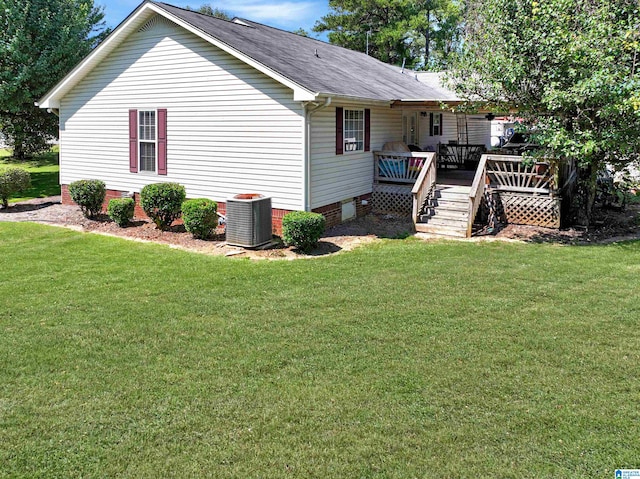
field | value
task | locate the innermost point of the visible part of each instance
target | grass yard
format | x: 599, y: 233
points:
x: 397, y: 360
x: 44, y: 171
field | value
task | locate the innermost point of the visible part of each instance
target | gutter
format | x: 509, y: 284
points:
x: 55, y: 111
x: 306, y: 169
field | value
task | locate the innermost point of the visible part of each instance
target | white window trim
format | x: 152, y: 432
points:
x: 155, y: 142
x: 437, y: 123
x: 346, y: 151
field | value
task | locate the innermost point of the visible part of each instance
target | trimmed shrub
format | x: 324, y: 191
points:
x: 121, y: 210
x: 200, y: 217
x: 162, y: 202
x: 88, y: 195
x: 302, y: 229
x: 12, y: 180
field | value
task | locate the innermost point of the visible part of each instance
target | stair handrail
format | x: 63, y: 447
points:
x: 424, y: 184
x: 476, y: 192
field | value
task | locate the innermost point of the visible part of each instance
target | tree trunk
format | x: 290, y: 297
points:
x: 427, y: 39
x: 587, y: 184
x: 18, y: 151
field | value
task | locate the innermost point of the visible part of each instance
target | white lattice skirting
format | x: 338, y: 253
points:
x: 531, y: 210
x: 394, y: 199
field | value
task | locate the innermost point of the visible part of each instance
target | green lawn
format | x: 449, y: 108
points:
x: 44, y: 171
x: 400, y: 359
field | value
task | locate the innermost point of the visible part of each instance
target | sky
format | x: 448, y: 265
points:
x: 287, y: 14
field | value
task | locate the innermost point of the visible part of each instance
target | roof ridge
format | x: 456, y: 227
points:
x: 184, y: 9
x: 208, y: 17
x: 291, y: 33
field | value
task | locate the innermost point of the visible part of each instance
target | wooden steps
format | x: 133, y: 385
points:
x: 447, y: 213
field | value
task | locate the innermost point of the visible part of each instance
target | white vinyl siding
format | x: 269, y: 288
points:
x: 479, y: 132
x: 449, y: 129
x: 230, y: 128
x: 338, y: 177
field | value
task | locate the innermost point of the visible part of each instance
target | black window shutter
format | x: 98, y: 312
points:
x: 367, y: 129
x: 441, y: 126
x: 339, y: 131
x: 430, y: 124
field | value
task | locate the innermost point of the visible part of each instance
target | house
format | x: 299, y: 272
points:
x: 228, y: 107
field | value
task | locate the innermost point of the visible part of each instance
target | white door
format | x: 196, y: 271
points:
x: 410, y: 128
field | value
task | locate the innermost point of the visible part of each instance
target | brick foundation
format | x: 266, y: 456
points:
x: 111, y: 194
x: 277, y: 214
x: 332, y: 212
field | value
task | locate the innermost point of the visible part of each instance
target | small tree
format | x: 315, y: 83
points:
x: 302, y: 229
x: 162, y: 202
x: 121, y: 210
x: 13, y: 180
x: 200, y: 217
x: 89, y: 195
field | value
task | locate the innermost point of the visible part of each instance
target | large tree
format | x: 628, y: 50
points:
x: 423, y: 33
x: 435, y: 29
x: 571, y: 68
x: 40, y: 41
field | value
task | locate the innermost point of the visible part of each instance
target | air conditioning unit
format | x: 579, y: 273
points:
x: 248, y: 220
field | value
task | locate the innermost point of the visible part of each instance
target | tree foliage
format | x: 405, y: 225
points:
x: 569, y: 67
x: 40, y: 41
x: 207, y: 9
x: 423, y: 33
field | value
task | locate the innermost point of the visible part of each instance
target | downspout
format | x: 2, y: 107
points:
x: 308, y: 113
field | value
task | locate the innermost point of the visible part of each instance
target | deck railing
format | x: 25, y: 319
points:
x: 424, y: 185
x: 477, y: 192
x: 512, y: 173
x: 399, y: 167
x: 460, y: 155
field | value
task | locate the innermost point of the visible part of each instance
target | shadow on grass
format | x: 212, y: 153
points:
x: 43, y: 184
x: 323, y: 248
x: 26, y: 207
x: 50, y: 158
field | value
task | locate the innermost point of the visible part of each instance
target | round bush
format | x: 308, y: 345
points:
x: 12, y: 180
x: 121, y: 210
x: 162, y: 202
x: 200, y: 217
x: 302, y: 229
x: 88, y: 195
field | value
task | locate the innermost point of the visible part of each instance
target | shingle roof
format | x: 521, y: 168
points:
x: 315, y: 65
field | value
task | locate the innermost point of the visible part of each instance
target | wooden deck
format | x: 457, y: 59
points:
x: 455, y: 177
x: 444, y: 201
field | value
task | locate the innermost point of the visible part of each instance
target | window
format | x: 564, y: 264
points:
x: 435, y: 124
x: 354, y: 130
x: 147, y: 140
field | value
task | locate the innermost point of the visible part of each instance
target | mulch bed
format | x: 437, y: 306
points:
x: 610, y: 226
